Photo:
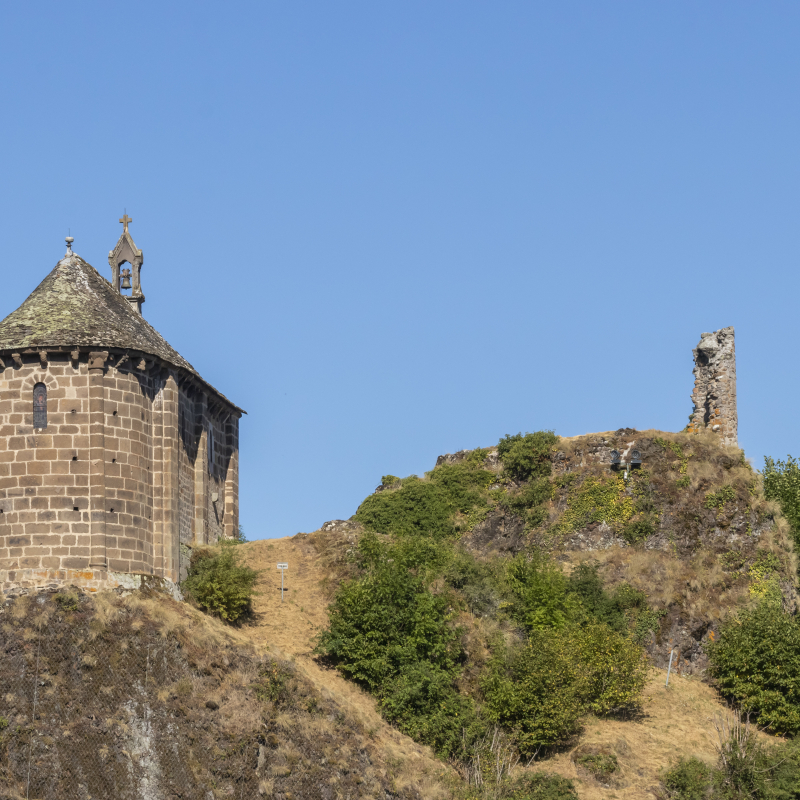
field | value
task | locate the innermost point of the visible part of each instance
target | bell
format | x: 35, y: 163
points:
x: 126, y: 280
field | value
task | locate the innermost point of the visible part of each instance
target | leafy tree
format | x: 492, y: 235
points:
x: 392, y: 635
x: 220, y: 583
x: 426, y: 507
x: 541, y: 593
x: 756, y: 663
x: 527, y: 456
x: 782, y: 483
x: 541, y: 689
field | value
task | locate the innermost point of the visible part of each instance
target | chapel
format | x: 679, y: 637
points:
x: 116, y: 457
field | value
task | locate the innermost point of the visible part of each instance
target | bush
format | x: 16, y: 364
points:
x: 426, y: 507
x: 624, y: 610
x: 613, y: 670
x: 391, y: 635
x: 689, y: 779
x: 534, y: 690
x: 423, y: 703
x: 528, y: 502
x: 541, y: 786
x: 637, y: 531
x: 746, y: 770
x: 756, y: 661
x: 600, y: 763
x: 542, y: 596
x: 219, y: 583
x: 527, y: 456
x: 782, y: 483
x: 417, y: 508
x: 541, y: 689
x: 476, y: 581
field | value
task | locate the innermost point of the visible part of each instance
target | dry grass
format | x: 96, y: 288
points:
x: 678, y: 722
x: 291, y: 627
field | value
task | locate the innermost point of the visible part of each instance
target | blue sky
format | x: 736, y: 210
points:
x: 394, y: 230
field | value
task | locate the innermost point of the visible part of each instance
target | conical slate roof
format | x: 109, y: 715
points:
x: 76, y: 306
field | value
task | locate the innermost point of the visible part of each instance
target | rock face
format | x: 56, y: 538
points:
x: 714, y: 394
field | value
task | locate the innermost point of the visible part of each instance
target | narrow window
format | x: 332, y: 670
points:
x: 40, y: 406
x: 211, y: 453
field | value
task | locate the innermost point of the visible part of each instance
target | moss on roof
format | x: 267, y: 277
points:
x: 76, y: 306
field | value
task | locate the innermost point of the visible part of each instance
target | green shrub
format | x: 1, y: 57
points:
x: 782, y: 766
x: 541, y: 689
x: 527, y: 456
x: 542, y: 786
x: 423, y: 703
x: 756, y: 664
x: 601, y: 765
x: 637, y: 531
x: 782, y: 483
x: 417, y: 508
x: 613, y: 670
x: 219, y: 583
x: 689, y: 779
x: 528, y: 501
x: 542, y: 596
x: 426, y: 507
x: 476, y: 581
x: 534, y: 690
x: 624, y: 610
x: 389, y: 633
x: 746, y: 770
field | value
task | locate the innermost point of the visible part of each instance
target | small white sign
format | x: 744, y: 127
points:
x: 283, y: 566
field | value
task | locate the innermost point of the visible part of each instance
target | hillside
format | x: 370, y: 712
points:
x: 137, y: 696
x: 676, y: 722
x: 494, y: 614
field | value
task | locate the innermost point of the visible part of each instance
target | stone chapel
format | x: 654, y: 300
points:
x: 115, y: 455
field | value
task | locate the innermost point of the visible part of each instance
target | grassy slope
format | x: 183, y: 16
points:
x: 677, y: 722
x: 292, y: 624
x: 139, y: 696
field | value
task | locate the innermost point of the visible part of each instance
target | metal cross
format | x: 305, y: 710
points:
x: 125, y: 220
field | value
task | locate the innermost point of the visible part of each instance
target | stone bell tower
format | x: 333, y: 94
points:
x: 126, y: 251
x: 714, y: 394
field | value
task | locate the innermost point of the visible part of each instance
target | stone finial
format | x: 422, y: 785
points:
x: 69, y: 240
x: 124, y: 252
x: 714, y: 394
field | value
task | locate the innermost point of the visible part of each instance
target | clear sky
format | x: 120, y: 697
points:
x: 390, y: 230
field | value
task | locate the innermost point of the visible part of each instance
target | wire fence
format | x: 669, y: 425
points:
x: 88, y: 711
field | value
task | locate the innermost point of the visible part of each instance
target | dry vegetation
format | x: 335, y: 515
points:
x: 141, y: 680
x: 138, y: 696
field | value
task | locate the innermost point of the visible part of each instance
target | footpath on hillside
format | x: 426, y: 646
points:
x: 291, y: 624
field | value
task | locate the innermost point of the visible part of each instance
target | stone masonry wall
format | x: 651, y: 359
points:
x: 102, y: 489
x: 714, y: 394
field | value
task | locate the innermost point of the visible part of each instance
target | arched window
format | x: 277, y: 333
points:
x: 40, y: 406
x: 211, y: 453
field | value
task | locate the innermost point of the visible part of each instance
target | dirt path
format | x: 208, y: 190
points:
x: 291, y: 625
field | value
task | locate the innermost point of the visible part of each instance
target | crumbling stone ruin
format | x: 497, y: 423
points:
x: 714, y: 394
x: 114, y: 452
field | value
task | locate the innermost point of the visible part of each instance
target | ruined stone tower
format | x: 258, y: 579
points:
x: 116, y: 456
x: 714, y: 394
